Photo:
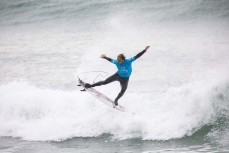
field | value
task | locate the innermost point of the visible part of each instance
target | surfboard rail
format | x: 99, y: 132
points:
x: 101, y: 97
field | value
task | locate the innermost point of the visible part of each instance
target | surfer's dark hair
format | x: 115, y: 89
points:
x: 122, y: 56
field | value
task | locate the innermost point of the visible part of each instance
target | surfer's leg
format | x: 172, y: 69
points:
x: 110, y: 79
x: 124, y: 84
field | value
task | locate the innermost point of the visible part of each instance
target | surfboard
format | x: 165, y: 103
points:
x: 101, y: 97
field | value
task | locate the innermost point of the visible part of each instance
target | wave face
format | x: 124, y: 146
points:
x: 178, y: 89
x: 44, y: 114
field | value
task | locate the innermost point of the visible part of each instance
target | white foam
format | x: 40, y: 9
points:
x: 44, y: 114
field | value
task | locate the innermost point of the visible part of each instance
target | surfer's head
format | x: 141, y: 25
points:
x: 120, y: 58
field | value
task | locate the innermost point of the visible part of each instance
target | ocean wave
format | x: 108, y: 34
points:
x: 85, y: 12
x: 180, y: 91
x: 38, y: 114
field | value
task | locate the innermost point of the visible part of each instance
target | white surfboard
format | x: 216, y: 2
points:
x: 101, y: 97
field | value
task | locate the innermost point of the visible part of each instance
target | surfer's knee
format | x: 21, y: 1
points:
x: 106, y: 81
x: 121, y: 92
x: 123, y: 89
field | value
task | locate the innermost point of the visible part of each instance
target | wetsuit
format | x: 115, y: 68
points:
x: 123, y: 74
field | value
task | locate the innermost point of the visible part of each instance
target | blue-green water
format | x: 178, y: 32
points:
x: 179, y: 89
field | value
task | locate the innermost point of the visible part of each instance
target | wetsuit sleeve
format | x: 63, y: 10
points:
x: 140, y: 54
x: 109, y: 59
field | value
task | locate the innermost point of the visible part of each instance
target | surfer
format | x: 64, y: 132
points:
x: 124, y: 71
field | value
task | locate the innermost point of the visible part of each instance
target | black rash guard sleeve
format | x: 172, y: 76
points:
x: 140, y: 54
x: 108, y: 58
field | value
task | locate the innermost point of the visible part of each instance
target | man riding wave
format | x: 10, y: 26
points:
x: 124, y: 67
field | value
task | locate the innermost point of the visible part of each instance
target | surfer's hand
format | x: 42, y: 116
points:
x: 103, y: 56
x: 147, y: 47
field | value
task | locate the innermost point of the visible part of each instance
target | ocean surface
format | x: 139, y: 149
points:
x: 178, y: 90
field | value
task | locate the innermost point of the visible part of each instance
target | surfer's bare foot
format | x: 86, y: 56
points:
x: 87, y: 85
x: 116, y: 103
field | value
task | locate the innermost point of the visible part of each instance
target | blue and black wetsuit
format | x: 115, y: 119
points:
x: 123, y: 74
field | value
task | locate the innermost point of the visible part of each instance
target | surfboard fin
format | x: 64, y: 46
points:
x: 83, y: 90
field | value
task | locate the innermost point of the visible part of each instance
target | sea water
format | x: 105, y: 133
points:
x: 178, y: 90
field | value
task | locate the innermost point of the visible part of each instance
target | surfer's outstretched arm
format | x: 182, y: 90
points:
x: 105, y: 57
x: 142, y: 52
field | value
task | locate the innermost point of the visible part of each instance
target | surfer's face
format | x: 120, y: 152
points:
x: 120, y: 60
